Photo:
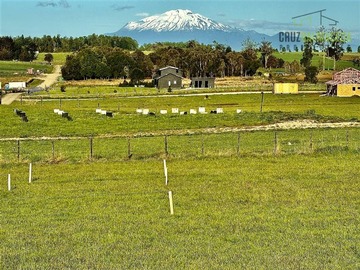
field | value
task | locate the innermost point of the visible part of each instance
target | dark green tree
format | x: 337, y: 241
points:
x: 305, y: 61
x: 136, y: 76
x: 48, y: 58
x: 310, y: 74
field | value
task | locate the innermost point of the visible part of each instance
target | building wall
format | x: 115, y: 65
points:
x: 174, y: 81
x: 286, y: 88
x: 348, y: 90
x: 200, y: 82
x: 170, y: 70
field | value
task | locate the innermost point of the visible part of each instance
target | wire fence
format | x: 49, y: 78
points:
x: 179, y: 146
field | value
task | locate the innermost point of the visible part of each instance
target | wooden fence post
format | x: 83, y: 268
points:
x: 262, y: 101
x: 53, y: 149
x: 203, y: 145
x: 18, y: 150
x: 311, y: 141
x: 129, y: 147
x: 275, y: 143
x: 238, y: 145
x: 166, y: 145
x: 91, y: 147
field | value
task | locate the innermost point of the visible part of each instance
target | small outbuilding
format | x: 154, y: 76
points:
x: 345, y: 83
x: 203, y: 82
x: 286, y: 88
x: 168, y: 77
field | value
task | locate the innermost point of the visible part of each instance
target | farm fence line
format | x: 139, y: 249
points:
x: 115, y: 148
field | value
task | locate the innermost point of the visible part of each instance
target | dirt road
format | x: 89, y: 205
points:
x: 9, y: 98
x: 300, y: 124
x: 50, y: 79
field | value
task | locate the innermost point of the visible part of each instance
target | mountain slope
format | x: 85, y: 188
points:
x: 184, y: 25
x: 176, y: 20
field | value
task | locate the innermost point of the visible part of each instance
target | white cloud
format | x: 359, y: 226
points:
x: 143, y: 14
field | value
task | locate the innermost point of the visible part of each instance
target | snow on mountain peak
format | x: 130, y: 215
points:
x: 176, y: 20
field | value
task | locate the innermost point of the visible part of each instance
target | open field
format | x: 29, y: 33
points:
x: 288, y: 212
x: 275, y: 199
x: 86, y: 122
x: 17, y: 71
x: 59, y: 58
x: 181, y: 144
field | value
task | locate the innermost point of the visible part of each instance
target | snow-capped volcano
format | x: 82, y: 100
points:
x: 176, y: 20
x: 183, y: 25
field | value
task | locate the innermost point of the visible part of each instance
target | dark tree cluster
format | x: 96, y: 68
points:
x: 25, y: 48
x: 207, y: 60
x: 106, y: 63
x: 21, y: 48
x: 194, y: 60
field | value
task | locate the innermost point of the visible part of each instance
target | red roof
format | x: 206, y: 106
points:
x: 346, y: 76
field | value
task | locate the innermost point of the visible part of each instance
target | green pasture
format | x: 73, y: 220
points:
x: 59, y: 58
x: 343, y: 63
x: 86, y: 122
x: 180, y: 146
x: 97, y: 91
x: 288, y: 212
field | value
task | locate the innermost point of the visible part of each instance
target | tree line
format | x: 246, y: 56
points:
x: 25, y: 48
x: 194, y: 60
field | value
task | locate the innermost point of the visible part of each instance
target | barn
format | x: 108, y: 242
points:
x: 168, y: 77
x: 345, y: 83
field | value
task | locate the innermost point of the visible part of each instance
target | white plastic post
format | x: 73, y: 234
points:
x: 171, y: 203
x: 165, y: 172
x: 9, y: 182
x: 30, y: 173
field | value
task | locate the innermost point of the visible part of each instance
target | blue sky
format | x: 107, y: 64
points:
x: 79, y: 18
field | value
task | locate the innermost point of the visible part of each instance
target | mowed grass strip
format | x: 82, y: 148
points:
x: 230, y: 213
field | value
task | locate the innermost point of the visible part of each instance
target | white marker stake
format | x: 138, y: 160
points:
x: 171, y: 203
x: 30, y: 173
x: 9, y: 182
x: 165, y: 172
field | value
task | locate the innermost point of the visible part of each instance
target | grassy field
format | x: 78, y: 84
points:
x: 59, y: 58
x: 344, y: 62
x: 248, y: 200
x: 277, y: 213
x: 86, y: 122
x: 17, y: 71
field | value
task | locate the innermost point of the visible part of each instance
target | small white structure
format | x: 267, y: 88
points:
x: 202, y: 110
x: 238, y: 111
x: 219, y: 110
x: 163, y: 112
x: 145, y: 111
x: 140, y: 111
x: 98, y: 110
x: 56, y: 111
x: 16, y: 85
x: 183, y: 113
x: 175, y: 110
x: 192, y: 111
